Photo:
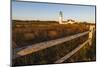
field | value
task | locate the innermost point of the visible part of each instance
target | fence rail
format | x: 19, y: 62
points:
x: 72, y: 52
x: 40, y: 46
x: 88, y: 41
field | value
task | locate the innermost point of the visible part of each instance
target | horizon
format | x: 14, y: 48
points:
x: 50, y: 11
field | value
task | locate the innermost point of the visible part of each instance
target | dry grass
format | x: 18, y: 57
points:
x: 27, y: 33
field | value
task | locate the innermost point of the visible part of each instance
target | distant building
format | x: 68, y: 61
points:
x: 69, y: 21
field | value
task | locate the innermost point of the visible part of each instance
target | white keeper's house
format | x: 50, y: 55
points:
x: 69, y: 21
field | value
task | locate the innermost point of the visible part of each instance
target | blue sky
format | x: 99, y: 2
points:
x: 46, y: 11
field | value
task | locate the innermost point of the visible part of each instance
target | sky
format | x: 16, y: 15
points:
x: 50, y: 11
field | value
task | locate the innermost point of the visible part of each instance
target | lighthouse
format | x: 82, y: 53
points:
x: 60, y: 17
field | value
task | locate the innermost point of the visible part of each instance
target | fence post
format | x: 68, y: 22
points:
x: 91, y: 34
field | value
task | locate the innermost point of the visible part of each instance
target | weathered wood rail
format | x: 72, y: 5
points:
x: 88, y: 41
x: 40, y: 46
x: 72, y: 52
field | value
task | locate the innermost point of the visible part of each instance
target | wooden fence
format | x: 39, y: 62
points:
x: 40, y: 46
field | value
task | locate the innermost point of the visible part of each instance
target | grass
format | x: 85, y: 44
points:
x: 27, y: 33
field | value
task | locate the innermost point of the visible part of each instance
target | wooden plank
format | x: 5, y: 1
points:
x: 40, y: 46
x: 72, y: 52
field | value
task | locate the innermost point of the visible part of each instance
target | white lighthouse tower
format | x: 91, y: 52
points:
x: 60, y: 17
